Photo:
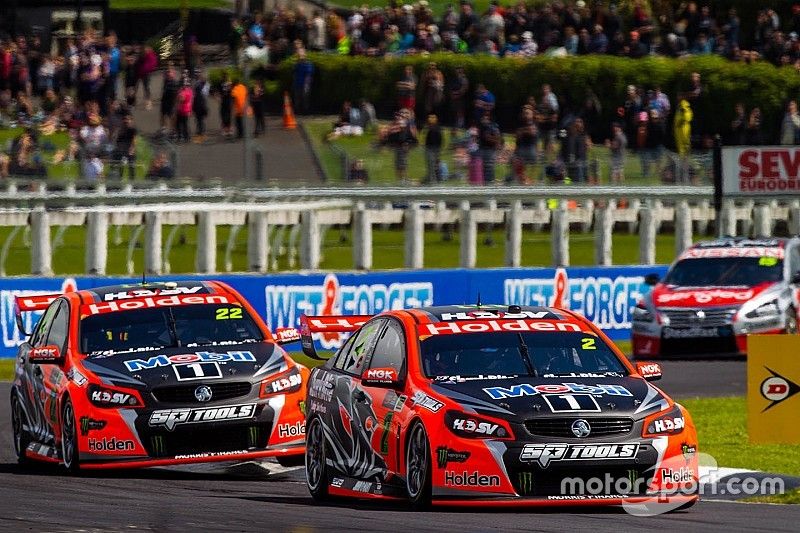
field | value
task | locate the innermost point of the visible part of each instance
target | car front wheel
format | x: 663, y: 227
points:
x: 69, y: 438
x: 316, y: 467
x: 418, y: 468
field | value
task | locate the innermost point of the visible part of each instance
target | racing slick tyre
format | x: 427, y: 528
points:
x: 316, y: 467
x: 69, y: 438
x: 418, y: 468
x: 21, y: 437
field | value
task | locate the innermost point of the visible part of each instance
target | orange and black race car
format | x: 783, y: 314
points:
x: 154, y: 374
x: 495, y: 405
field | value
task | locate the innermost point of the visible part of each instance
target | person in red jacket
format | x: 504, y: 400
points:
x: 146, y: 64
x: 184, y: 110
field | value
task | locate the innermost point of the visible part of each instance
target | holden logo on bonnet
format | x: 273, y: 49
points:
x: 203, y: 393
x: 581, y: 428
x: 701, y: 315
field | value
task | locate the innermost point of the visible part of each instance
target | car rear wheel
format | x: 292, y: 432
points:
x: 418, y: 468
x: 21, y: 437
x: 316, y: 467
x: 69, y: 438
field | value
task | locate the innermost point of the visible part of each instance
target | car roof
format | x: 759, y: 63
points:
x: 445, y: 313
x: 742, y: 242
x: 152, y: 288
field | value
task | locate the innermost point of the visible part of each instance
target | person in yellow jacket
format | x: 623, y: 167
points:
x: 682, y: 129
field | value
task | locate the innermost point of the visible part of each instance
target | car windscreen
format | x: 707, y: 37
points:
x: 725, y: 272
x: 167, y: 326
x: 513, y: 354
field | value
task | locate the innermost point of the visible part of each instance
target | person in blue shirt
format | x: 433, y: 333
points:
x: 114, y: 64
x: 303, y: 77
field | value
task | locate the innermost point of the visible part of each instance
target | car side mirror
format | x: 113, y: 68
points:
x: 45, y: 355
x: 649, y: 371
x: 381, y: 377
x: 651, y: 279
x: 796, y: 278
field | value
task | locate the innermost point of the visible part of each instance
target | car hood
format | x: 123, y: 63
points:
x: 170, y: 366
x: 695, y: 297
x: 520, y: 398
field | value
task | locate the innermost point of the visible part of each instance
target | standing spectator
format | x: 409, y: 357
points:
x: 125, y: 148
x: 433, y: 150
x: 656, y: 137
x: 525, y: 145
x: 682, y: 129
x: 130, y: 78
x: 790, y: 126
x: 432, y: 83
x: 617, y: 145
x: 258, y: 103
x: 169, y: 97
x: 301, y: 83
x: 239, y: 95
x: 484, y: 102
x: 226, y: 105
x: 200, y: 105
x: 547, y: 116
x: 575, y: 150
x: 753, y: 134
x: 401, y: 135
x: 316, y: 32
x: 114, y: 65
x: 490, y: 140
x: 146, y: 64
x: 528, y: 48
x: 235, y: 36
x: 457, y: 88
x: 160, y: 168
x: 185, y: 104
x: 406, y: 89
x: 738, y: 126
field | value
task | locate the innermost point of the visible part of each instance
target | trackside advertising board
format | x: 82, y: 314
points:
x: 760, y: 170
x: 773, y: 384
x: 604, y: 295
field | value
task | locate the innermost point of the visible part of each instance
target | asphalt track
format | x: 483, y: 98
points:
x: 266, y: 497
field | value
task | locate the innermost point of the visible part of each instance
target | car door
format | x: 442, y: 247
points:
x: 52, y: 376
x: 388, y: 403
x: 35, y: 393
x: 349, y: 408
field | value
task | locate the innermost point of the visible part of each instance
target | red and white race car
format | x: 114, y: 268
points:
x: 717, y: 293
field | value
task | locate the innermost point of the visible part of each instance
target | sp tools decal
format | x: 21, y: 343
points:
x: 777, y: 388
x: 169, y: 418
x: 544, y: 454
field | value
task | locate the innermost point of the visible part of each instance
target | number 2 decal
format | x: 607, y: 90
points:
x: 226, y: 313
x: 588, y: 344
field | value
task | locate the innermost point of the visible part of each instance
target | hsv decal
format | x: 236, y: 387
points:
x: 143, y: 293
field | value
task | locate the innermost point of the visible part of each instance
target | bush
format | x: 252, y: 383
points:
x: 513, y: 80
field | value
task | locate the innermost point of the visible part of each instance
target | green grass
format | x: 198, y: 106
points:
x: 66, y: 170
x: 6, y: 369
x: 722, y: 433
x: 379, y: 162
x: 791, y: 497
x: 440, y: 252
x: 167, y: 4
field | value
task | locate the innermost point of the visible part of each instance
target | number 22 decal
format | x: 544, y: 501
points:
x: 225, y: 313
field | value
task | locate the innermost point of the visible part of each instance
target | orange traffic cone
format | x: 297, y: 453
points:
x: 289, y: 122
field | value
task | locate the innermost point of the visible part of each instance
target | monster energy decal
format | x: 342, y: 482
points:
x: 525, y: 482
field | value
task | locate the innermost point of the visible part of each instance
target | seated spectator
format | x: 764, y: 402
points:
x: 357, y: 172
x: 160, y: 168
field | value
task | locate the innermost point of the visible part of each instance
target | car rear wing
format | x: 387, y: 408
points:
x: 327, y: 324
x: 29, y: 303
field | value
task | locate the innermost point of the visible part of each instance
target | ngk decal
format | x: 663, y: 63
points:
x: 386, y: 375
x: 605, y: 300
x: 169, y: 418
x: 134, y: 365
x: 285, y: 303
